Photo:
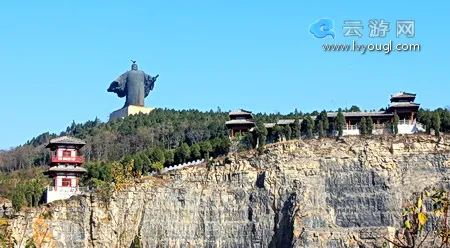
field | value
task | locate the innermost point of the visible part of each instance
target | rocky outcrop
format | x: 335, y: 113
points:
x: 315, y: 193
x: 6, y: 208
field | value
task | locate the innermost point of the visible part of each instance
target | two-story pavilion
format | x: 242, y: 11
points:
x: 403, y: 104
x: 65, y: 167
x: 240, y: 121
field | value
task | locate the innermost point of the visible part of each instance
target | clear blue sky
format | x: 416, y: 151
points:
x: 57, y: 58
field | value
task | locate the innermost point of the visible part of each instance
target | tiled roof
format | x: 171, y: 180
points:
x: 239, y: 122
x: 281, y: 122
x: 362, y: 114
x: 403, y: 104
x: 285, y: 122
x: 402, y: 94
x: 67, y: 169
x: 240, y: 112
x: 66, y: 140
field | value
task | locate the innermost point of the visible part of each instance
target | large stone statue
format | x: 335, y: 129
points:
x: 135, y: 85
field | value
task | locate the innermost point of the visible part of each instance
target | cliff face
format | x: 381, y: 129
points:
x: 326, y: 193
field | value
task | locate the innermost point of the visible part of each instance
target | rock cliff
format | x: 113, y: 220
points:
x: 306, y: 193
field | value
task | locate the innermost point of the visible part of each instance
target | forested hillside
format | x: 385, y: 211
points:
x: 111, y: 141
x: 128, y: 148
x: 163, y: 128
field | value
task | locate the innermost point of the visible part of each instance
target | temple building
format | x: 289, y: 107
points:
x: 240, y: 121
x: 402, y: 103
x: 65, y: 168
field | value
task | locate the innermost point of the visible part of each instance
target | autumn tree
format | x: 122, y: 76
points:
x: 416, y: 230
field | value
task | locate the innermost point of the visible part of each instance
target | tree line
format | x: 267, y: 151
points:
x: 169, y: 129
x: 140, y: 144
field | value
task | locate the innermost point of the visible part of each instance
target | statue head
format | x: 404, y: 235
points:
x: 134, y: 66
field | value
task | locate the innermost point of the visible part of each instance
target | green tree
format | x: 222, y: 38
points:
x: 287, y: 132
x: 261, y: 133
x: 195, y: 152
x: 324, y: 118
x: 220, y: 146
x: 309, y: 127
x: 138, y: 166
x: 170, y: 157
x: 206, y: 149
x: 363, y: 126
x: 157, y: 155
x: 157, y: 166
x: 18, y: 199
x: 146, y: 163
x: 296, y: 128
x: 277, y: 132
x: 395, y: 123
x: 340, y: 122
x: 182, y: 153
x: 320, y: 129
x: 354, y: 108
x: 369, y: 125
x: 436, y: 123
x: 246, y: 142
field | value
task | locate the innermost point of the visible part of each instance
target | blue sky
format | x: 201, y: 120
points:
x: 59, y: 57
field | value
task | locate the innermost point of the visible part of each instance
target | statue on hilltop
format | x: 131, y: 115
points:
x: 135, y: 85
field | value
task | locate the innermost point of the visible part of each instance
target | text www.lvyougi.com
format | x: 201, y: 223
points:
x: 363, y: 48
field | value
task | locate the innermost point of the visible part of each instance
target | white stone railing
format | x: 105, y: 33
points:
x: 351, y: 127
x: 63, y: 189
x: 405, y: 122
x: 421, y: 126
x: 180, y: 166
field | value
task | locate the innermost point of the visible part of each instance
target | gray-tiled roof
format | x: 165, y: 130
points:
x: 403, y: 94
x: 285, y: 122
x: 67, y: 169
x: 240, y: 112
x: 66, y: 140
x: 234, y: 122
x: 403, y: 104
x: 281, y: 122
x: 362, y: 114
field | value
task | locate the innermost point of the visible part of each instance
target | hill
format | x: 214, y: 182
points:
x: 304, y: 193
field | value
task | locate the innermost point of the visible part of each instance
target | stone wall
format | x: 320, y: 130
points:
x: 313, y: 193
